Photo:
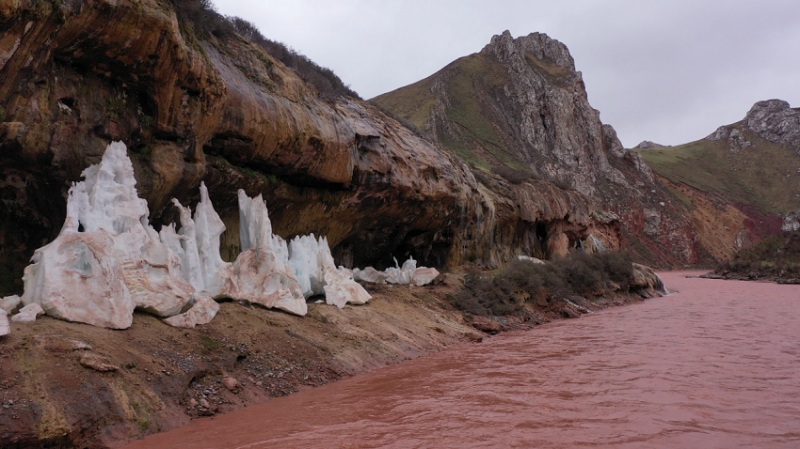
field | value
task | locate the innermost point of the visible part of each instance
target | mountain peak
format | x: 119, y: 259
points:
x: 504, y: 47
x: 774, y: 120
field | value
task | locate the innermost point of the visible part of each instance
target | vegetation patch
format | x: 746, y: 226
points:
x: 521, y: 283
x: 775, y: 258
x: 205, y: 21
x: 764, y: 174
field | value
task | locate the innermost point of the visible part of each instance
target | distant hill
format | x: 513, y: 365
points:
x: 749, y: 169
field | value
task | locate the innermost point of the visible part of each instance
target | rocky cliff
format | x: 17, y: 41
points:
x: 203, y: 106
x: 518, y: 109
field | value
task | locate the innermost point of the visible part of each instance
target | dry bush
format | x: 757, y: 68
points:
x: 205, y: 20
x: 520, y: 282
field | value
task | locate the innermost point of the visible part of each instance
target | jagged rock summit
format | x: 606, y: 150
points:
x: 773, y: 120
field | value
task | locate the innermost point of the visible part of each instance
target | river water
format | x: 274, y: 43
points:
x: 714, y: 365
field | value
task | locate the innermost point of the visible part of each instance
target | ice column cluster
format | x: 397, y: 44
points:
x: 107, y: 260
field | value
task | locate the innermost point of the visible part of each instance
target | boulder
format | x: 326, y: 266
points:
x: 647, y: 282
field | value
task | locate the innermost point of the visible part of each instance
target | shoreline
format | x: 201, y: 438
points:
x: 74, y: 385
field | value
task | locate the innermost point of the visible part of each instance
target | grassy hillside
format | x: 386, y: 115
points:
x: 467, y: 84
x: 764, y: 175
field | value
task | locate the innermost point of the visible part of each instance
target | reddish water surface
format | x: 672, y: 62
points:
x: 714, y: 365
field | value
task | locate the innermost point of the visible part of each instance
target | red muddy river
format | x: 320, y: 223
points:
x: 714, y: 365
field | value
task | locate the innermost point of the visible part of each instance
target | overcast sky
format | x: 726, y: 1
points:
x: 670, y: 71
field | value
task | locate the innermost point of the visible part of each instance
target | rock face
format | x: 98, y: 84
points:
x: 739, y: 183
x: 775, y: 121
x: 772, y: 120
x: 519, y: 109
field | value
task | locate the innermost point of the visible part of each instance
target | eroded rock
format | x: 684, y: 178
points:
x: 647, y: 282
x: 97, y: 363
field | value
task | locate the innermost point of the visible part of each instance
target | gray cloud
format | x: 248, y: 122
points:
x: 670, y: 72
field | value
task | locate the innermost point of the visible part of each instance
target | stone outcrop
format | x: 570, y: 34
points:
x: 647, y: 145
x: 772, y: 120
x: 775, y: 121
x: 791, y: 222
x: 647, y: 282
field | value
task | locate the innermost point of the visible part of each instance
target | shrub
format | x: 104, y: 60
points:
x: 513, y: 175
x: 520, y: 282
x: 205, y: 20
x: 203, y: 17
x: 775, y: 257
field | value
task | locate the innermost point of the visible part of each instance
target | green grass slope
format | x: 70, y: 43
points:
x: 468, y: 84
x: 764, y: 175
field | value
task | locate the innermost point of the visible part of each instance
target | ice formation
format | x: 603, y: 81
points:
x: 407, y: 274
x: 5, y: 326
x: 313, y: 265
x: 202, y: 311
x: 107, y: 260
x: 28, y: 314
x: 197, y: 247
x: 9, y: 303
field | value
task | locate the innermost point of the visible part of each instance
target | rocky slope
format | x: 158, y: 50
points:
x: 518, y: 109
x: 196, y: 106
x: 739, y: 181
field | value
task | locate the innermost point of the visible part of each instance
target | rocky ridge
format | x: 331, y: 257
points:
x: 773, y: 120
